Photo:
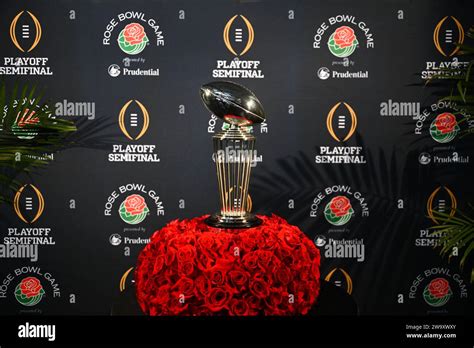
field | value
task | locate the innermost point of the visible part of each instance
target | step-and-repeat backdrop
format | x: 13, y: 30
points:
x: 355, y: 150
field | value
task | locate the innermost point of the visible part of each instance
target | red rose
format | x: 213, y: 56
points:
x: 445, y: 122
x: 291, y: 240
x: 259, y: 288
x: 275, y: 299
x: 217, y: 276
x: 340, y: 205
x: 239, y: 307
x: 204, y: 262
x: 254, y: 302
x: 202, y: 285
x: 184, y: 286
x: 159, y: 262
x: 439, y: 287
x: 30, y: 287
x: 176, y: 307
x: 134, y: 33
x: 218, y: 273
x: 186, y: 253
x: 250, y: 260
x: 205, y: 242
x: 135, y: 204
x: 283, y: 275
x: 248, y: 241
x: 186, y: 268
x: 344, y: 36
x: 217, y: 299
x: 238, y: 277
x: 162, y: 295
x: 270, y: 240
x: 265, y: 258
x: 170, y: 256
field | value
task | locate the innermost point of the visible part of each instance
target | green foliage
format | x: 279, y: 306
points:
x: 455, y: 232
x: 459, y: 81
x: 27, y: 132
x: 458, y: 231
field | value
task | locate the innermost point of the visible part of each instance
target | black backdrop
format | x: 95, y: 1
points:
x: 394, y: 184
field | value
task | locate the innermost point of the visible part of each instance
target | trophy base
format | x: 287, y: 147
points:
x: 219, y: 221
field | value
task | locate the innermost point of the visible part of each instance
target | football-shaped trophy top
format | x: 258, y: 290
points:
x: 233, y: 103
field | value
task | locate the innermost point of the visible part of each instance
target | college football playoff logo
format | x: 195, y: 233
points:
x: 28, y: 203
x: 340, y: 278
x: 441, y: 205
x: 237, y: 35
x: 133, y: 120
x: 25, y: 33
x: 341, y: 122
x: 443, y: 36
x: 123, y: 281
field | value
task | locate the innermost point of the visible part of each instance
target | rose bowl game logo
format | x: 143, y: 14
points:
x: 22, y: 126
x: 133, y: 209
x: 26, y: 119
x: 29, y: 291
x: 132, y: 32
x: 438, y: 290
x: 338, y: 211
x: 437, y: 293
x: 343, y: 34
x: 25, y: 287
x: 132, y: 39
x: 339, y: 204
x: 444, y: 128
x: 343, y: 42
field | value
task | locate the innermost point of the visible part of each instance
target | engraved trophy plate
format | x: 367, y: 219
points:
x: 233, y: 150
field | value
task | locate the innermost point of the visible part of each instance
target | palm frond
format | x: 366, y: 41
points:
x: 454, y: 232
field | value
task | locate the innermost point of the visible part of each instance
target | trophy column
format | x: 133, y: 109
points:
x: 233, y: 154
x: 233, y: 150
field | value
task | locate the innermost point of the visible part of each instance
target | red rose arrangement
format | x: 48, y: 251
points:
x: 190, y: 268
x: 445, y: 122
